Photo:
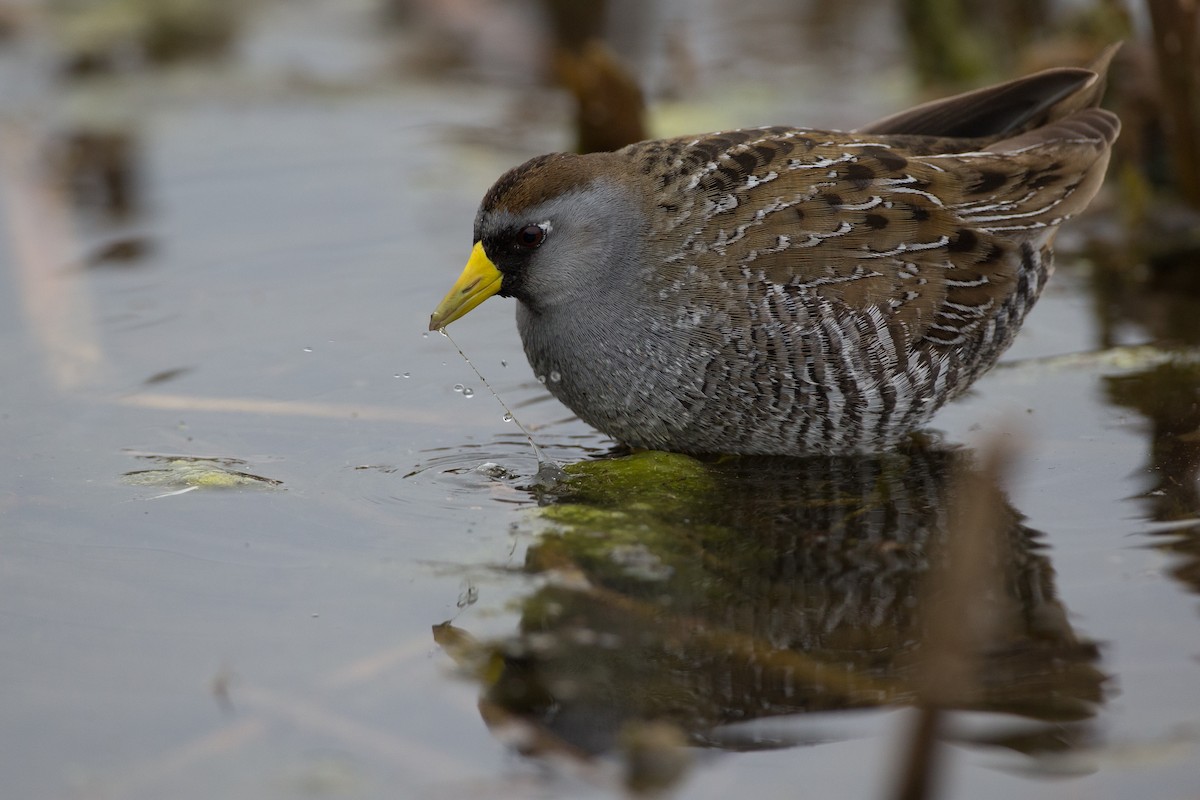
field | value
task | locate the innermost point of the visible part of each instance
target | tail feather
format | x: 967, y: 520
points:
x: 1007, y: 109
x: 1092, y: 125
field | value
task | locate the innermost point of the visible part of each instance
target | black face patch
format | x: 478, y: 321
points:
x: 505, y: 248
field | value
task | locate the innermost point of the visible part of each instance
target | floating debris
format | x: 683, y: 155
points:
x: 1119, y: 358
x: 493, y: 470
x: 189, y: 472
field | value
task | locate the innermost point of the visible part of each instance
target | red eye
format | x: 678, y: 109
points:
x: 531, y: 236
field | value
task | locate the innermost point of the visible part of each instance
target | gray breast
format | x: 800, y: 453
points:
x: 795, y: 374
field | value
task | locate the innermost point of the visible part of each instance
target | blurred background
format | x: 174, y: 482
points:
x: 261, y: 535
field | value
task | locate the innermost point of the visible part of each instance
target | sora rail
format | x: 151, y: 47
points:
x: 785, y: 290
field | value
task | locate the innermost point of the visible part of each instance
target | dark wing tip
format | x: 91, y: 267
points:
x: 1006, y: 109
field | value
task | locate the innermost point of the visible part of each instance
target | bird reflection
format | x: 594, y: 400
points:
x: 1167, y: 396
x: 710, y: 593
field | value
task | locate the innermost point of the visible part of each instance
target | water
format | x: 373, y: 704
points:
x: 304, y: 209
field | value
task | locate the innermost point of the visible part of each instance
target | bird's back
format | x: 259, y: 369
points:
x: 831, y: 290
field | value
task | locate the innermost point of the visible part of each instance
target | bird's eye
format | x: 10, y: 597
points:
x: 531, y: 236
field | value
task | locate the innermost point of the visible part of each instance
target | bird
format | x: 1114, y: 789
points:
x: 790, y: 291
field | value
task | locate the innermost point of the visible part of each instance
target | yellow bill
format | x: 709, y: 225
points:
x: 479, y: 280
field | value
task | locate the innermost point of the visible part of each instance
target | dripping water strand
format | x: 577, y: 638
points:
x: 549, y: 472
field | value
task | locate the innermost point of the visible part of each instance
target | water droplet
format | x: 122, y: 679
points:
x: 458, y: 387
x: 508, y: 417
x: 468, y: 392
x: 555, y: 376
x: 541, y: 378
x: 406, y: 375
x: 425, y: 335
x: 503, y: 363
x: 468, y: 596
x: 442, y: 331
x: 308, y: 349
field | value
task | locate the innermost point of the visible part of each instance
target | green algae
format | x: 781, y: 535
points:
x: 198, y: 473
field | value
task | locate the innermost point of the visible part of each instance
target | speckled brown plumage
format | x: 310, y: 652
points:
x: 785, y: 290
